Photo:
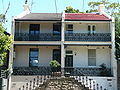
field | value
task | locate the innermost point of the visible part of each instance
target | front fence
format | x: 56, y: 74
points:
x: 83, y: 80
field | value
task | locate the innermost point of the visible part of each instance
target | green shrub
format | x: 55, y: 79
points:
x: 54, y: 63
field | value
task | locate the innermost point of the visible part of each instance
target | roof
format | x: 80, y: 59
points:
x: 41, y: 17
x: 85, y: 17
x: 68, y: 17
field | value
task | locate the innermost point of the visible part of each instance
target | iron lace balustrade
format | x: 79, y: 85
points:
x: 37, y: 37
x: 102, y: 37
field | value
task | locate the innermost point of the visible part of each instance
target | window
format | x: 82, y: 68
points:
x: 91, y: 57
x: 34, y: 28
x: 91, y: 29
x: 69, y: 52
x: 69, y: 28
x: 33, y: 56
x: 56, y: 28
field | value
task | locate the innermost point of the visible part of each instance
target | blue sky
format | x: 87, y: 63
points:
x: 40, y: 6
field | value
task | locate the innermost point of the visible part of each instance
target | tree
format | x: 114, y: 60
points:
x: 117, y: 37
x: 5, y: 44
x: 70, y: 9
x: 113, y: 8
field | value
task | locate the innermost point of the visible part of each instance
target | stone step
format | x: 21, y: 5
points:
x: 62, y: 84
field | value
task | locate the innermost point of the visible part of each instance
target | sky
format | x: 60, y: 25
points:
x: 39, y: 6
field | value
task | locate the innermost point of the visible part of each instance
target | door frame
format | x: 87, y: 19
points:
x: 69, y: 55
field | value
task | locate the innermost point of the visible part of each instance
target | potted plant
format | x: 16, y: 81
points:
x: 104, y: 70
x: 54, y: 64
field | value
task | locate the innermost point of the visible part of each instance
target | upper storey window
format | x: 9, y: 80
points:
x: 69, y: 28
x: 34, y: 28
x: 56, y: 28
x: 91, y: 29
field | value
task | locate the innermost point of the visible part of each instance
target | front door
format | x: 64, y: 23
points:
x: 57, y: 55
x: 33, y: 57
x: 69, y: 61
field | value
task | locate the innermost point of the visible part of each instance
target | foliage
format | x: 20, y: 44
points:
x: 117, y: 37
x: 2, y: 18
x: 70, y: 9
x: 104, y: 70
x: 5, y: 44
x: 54, y: 63
x: 111, y: 7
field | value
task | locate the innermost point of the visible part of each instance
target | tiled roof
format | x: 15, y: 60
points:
x: 42, y: 16
x: 85, y: 17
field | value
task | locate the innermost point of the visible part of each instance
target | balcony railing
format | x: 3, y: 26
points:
x: 87, y: 37
x: 103, y: 37
x: 37, y: 37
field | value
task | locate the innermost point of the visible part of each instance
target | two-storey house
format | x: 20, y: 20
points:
x: 80, y: 42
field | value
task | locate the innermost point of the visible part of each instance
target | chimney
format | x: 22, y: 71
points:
x: 101, y: 8
x: 26, y: 7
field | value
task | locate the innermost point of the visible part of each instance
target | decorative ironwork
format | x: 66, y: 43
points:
x: 37, y: 37
x: 87, y: 37
x: 76, y: 71
x: 68, y: 37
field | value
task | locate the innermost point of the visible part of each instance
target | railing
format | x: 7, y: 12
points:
x: 68, y: 37
x: 87, y: 37
x: 37, y: 37
x: 67, y: 71
x: 87, y: 71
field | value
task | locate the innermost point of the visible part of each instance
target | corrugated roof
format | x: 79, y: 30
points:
x: 85, y: 17
x: 42, y: 16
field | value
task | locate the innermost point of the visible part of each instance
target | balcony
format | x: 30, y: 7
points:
x: 101, y: 37
x: 97, y: 37
x: 37, y: 37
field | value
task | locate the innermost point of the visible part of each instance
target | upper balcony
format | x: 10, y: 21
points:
x: 97, y: 37
x: 97, y: 32
x: 100, y: 37
x: 37, y: 37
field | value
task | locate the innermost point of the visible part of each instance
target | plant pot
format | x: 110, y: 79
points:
x: 56, y: 74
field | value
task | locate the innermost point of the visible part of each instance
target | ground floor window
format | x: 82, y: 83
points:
x: 33, y: 57
x: 91, y: 57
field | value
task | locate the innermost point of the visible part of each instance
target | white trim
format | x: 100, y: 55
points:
x: 87, y: 43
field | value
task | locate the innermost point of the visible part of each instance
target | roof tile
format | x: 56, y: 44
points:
x: 85, y: 16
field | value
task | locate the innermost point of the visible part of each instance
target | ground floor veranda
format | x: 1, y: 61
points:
x: 85, y: 60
